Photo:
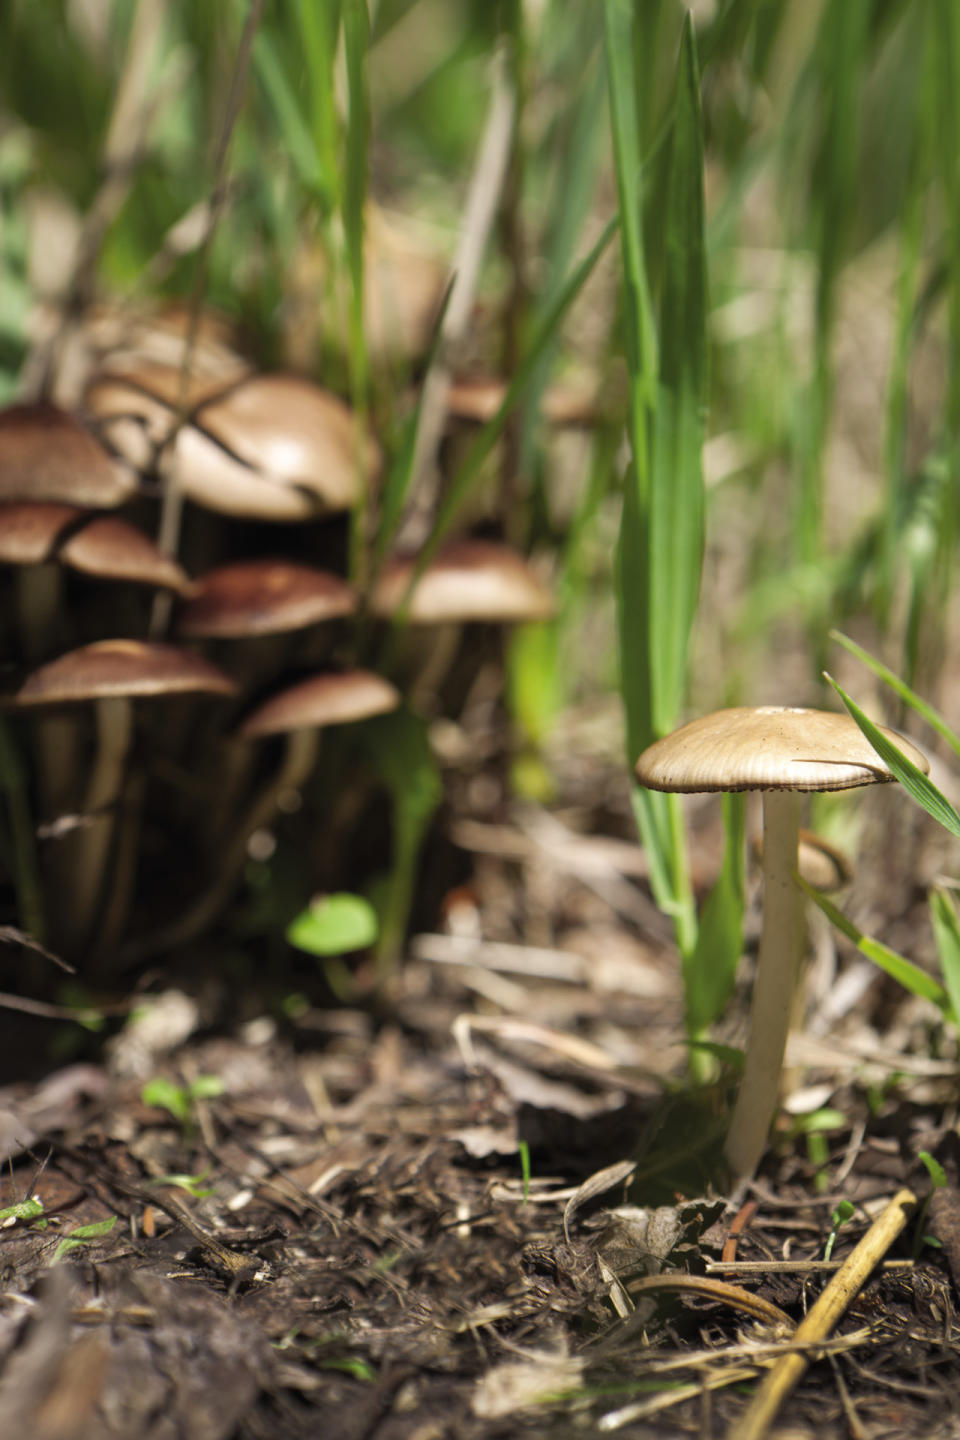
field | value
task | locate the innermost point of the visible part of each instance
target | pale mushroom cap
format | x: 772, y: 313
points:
x: 767, y: 748
x: 116, y: 668
x: 296, y: 435
x: 478, y: 398
x: 45, y: 454
x: 326, y: 699
x: 265, y: 447
x: 103, y: 546
x: 262, y: 597
x: 468, y: 580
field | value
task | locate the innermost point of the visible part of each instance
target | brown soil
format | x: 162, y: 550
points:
x: 364, y: 1255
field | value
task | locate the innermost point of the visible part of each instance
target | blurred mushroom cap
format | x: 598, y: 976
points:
x: 468, y: 580
x: 117, y: 668
x: 262, y: 597
x: 102, y: 546
x: 332, y: 698
x: 46, y: 454
x: 266, y: 447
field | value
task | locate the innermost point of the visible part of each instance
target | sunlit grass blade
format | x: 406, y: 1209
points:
x: 883, y: 672
x: 676, y: 480
x: 318, y: 28
x: 291, y: 124
x: 910, y: 976
x: 471, y: 469
x: 946, y: 931
x: 356, y: 39
x: 710, y: 972
x: 919, y: 786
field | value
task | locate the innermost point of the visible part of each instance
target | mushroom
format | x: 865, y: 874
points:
x: 110, y: 673
x: 262, y: 597
x: 299, y: 713
x: 253, y: 601
x: 46, y: 454
x: 104, y: 547
x: 782, y: 752
x: 264, y: 447
x: 467, y: 581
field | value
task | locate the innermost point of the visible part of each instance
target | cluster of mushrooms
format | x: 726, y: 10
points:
x: 252, y: 453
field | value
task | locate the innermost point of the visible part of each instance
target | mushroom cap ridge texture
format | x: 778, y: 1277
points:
x: 767, y: 748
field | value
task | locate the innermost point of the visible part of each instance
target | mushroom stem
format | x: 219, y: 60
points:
x: 114, y: 729
x: 298, y: 762
x: 778, y: 965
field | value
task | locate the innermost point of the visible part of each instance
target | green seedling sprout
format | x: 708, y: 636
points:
x: 181, y: 1100
x: 843, y: 1212
x: 82, y: 1236
x: 938, y: 1180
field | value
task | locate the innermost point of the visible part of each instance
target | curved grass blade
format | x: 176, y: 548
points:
x: 910, y: 697
x: 910, y: 976
x: 919, y: 786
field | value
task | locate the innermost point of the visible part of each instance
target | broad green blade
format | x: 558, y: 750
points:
x: 946, y: 930
x: 710, y: 972
x: 919, y: 786
x: 676, y: 482
x: 910, y: 976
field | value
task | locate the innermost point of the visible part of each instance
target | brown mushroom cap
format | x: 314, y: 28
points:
x: 262, y: 597
x: 327, y: 699
x: 45, y: 454
x: 120, y: 668
x: 477, y: 398
x: 103, y: 546
x: 467, y: 580
x: 269, y: 447
x: 767, y: 748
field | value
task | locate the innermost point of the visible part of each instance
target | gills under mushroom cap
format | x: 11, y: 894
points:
x: 769, y: 747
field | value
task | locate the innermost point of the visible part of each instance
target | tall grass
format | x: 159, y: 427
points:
x: 829, y: 135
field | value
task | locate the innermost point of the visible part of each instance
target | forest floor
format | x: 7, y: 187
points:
x: 431, y: 1217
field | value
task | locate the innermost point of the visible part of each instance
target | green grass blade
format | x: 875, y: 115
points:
x: 318, y: 27
x: 676, y: 481
x: 356, y: 38
x: 919, y: 786
x: 291, y: 124
x: 471, y: 469
x: 910, y: 976
x: 946, y: 931
x: 710, y: 971
x: 926, y: 711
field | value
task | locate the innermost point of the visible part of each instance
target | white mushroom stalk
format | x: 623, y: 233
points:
x: 780, y: 956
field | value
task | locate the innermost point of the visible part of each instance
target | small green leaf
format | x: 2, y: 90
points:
x: 334, y: 925
x: 22, y: 1210
x: 82, y: 1236
x: 163, y: 1094
x: 938, y: 1176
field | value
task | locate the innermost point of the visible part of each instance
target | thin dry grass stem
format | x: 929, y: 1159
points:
x: 571, y: 1047
x: 171, y: 505
x: 134, y: 110
x: 712, y: 1289
x: 483, y: 200
x: 817, y: 1324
